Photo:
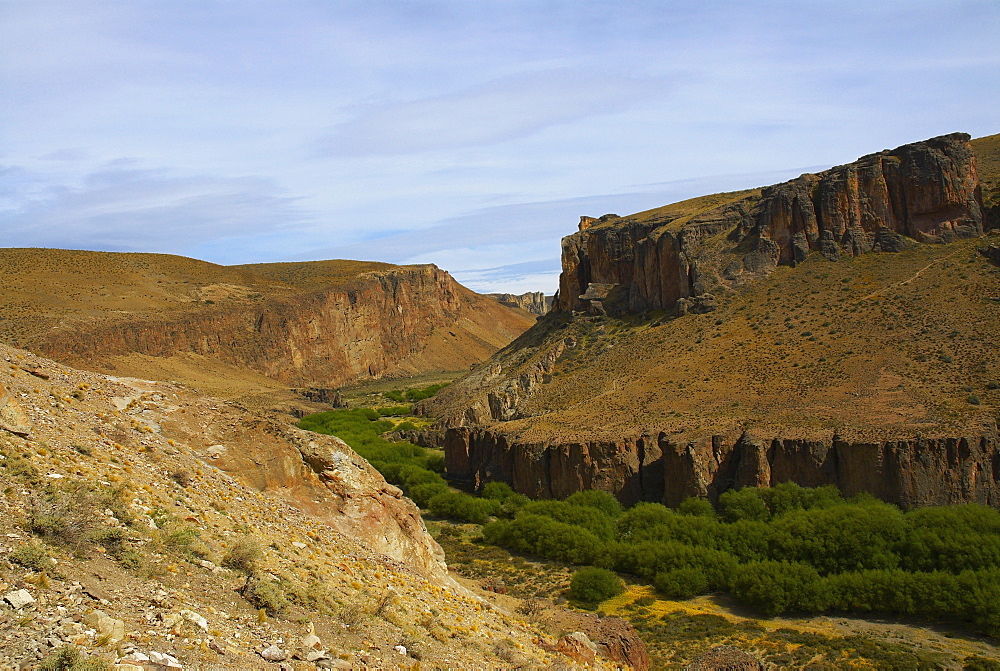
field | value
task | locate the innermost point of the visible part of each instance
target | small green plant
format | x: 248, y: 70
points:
x: 973, y: 399
x: 244, y: 556
x: 265, y: 595
x: 32, y: 556
x: 69, y: 658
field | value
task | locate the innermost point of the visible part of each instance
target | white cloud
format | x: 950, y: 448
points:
x: 490, y: 113
x: 129, y: 209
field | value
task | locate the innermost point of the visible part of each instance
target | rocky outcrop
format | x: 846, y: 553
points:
x: 12, y: 416
x: 926, y: 192
x: 610, y: 637
x: 534, y: 302
x: 320, y: 338
x: 916, y: 472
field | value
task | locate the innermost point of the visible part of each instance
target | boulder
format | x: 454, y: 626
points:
x: 578, y: 647
x: 19, y: 599
x: 12, y: 417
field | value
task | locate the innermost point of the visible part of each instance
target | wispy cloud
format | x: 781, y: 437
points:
x: 123, y: 208
x: 498, y: 111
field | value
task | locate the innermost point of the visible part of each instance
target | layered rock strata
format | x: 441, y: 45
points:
x: 508, y: 419
x: 534, y: 302
x: 920, y: 471
x: 927, y: 191
x: 318, y: 338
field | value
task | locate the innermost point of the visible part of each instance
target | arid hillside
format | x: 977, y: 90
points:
x: 146, y: 524
x: 722, y: 342
x: 239, y: 329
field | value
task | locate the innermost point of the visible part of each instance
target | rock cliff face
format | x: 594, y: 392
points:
x: 534, y: 302
x: 870, y: 375
x: 920, y: 471
x: 381, y: 323
x: 928, y: 191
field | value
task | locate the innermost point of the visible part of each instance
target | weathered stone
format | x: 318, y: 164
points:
x: 105, y: 625
x: 162, y: 660
x: 19, y: 599
x: 195, y: 619
x: 578, y: 647
x: 12, y: 417
x: 273, y: 653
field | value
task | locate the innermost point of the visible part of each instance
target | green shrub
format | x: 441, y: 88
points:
x: 681, y: 583
x: 498, y: 491
x: 266, y: 595
x: 244, y: 556
x: 462, y: 506
x: 32, y: 556
x: 744, y: 504
x: 778, y: 587
x: 596, y: 498
x: 696, y: 507
x: 590, y: 518
x: 592, y: 585
x: 543, y: 536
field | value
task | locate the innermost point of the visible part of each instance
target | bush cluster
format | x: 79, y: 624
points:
x: 416, y: 470
x: 414, y: 395
x: 783, y: 549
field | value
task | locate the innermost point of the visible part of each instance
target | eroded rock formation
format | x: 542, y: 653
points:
x: 927, y: 191
x: 513, y: 419
x: 320, y: 338
x: 534, y: 302
x: 920, y: 471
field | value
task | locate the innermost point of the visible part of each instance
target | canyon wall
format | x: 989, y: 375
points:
x: 920, y: 471
x: 324, y: 337
x: 672, y: 259
x: 927, y: 191
x: 534, y: 302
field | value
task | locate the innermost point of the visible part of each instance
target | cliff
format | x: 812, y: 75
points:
x: 313, y: 324
x: 829, y: 330
x: 926, y: 192
x: 534, y: 302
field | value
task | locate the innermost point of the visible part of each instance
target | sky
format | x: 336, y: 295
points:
x: 469, y: 134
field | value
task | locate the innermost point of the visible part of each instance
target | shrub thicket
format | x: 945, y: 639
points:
x: 784, y: 549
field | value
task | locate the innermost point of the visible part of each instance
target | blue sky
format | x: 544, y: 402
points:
x: 467, y: 134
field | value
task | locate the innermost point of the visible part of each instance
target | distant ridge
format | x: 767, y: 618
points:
x: 235, y: 329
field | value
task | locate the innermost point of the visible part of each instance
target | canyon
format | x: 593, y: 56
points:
x: 829, y: 330
x: 313, y: 324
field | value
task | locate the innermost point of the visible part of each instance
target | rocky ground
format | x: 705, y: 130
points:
x: 143, y: 525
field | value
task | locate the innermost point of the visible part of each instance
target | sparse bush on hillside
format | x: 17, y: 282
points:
x: 245, y: 556
x: 266, y: 595
x: 32, y: 556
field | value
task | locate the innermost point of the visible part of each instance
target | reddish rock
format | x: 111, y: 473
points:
x: 320, y: 338
x: 927, y: 191
x: 920, y: 471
